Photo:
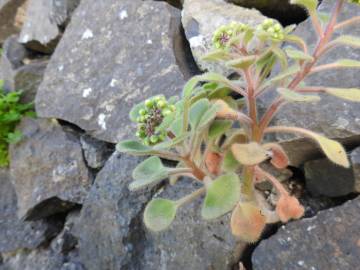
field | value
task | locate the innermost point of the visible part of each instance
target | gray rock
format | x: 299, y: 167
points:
x: 41, y: 30
x: 18, y: 72
x: 112, y: 235
x: 355, y: 160
x: 133, y: 44
x: 10, y: 21
x: 191, y: 242
x: 199, y: 29
x: 14, y: 233
x: 281, y: 10
x: 329, y: 240
x: 332, y: 117
x: 110, y: 230
x: 326, y: 178
x: 39, y: 259
x: 47, y: 169
x: 95, y: 152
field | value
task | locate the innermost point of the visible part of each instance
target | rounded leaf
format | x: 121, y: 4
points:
x: 279, y: 158
x: 247, y: 222
x: 221, y: 196
x: 133, y: 147
x: 249, y: 154
x: 219, y: 127
x: 351, y: 94
x: 159, y: 214
x: 148, y: 172
x: 293, y: 96
x: 288, y: 207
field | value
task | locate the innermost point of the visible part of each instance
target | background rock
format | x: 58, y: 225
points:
x: 10, y: 17
x: 281, y: 10
x: 18, y: 71
x: 326, y: 178
x: 132, y: 42
x: 329, y: 240
x: 355, y: 160
x: 191, y: 242
x: 95, y: 152
x: 47, y: 169
x: 41, y: 31
x: 199, y: 28
x: 110, y: 226
x: 332, y: 117
x: 14, y: 233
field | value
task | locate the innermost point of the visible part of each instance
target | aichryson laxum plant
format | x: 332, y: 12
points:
x: 217, y: 138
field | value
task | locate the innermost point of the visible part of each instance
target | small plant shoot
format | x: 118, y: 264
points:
x: 11, y: 112
x: 215, y: 130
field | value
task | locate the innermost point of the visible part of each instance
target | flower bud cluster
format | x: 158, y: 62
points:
x: 225, y: 33
x: 273, y: 29
x: 150, y: 117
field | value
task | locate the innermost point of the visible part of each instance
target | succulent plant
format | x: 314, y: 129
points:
x: 218, y: 139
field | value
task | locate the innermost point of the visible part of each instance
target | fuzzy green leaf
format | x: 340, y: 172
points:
x: 216, y: 55
x: 133, y: 147
x: 281, y: 56
x: 287, y: 73
x: 171, y: 143
x: 221, y: 197
x: 347, y: 63
x: 348, y: 41
x: 297, y: 54
x: 293, y: 96
x: 219, y: 127
x: 242, y: 62
x: 249, y: 153
x: 148, y: 172
x: 208, y: 116
x: 176, y: 127
x: 159, y: 214
x: 197, y: 111
x: 351, y: 94
x: 230, y: 164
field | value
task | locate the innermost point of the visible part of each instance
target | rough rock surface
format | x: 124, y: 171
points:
x: 112, y: 235
x: 199, y: 28
x: 109, y: 229
x: 132, y: 42
x: 18, y: 71
x: 330, y: 240
x: 355, y: 160
x: 47, y: 169
x: 281, y: 10
x: 95, y: 152
x: 10, y: 21
x: 41, y: 30
x: 191, y: 242
x: 326, y: 178
x: 14, y: 233
x: 333, y: 117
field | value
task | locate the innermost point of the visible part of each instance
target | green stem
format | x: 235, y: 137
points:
x: 190, y: 197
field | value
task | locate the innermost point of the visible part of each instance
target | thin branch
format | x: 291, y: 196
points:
x: 167, y: 155
x: 347, y: 23
x: 326, y: 67
x: 272, y: 179
x: 316, y: 23
x: 190, y: 197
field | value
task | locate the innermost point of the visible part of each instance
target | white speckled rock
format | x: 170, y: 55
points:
x: 48, y: 170
x: 113, y: 55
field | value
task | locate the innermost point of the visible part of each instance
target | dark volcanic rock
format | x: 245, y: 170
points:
x: 16, y: 74
x: 332, y: 117
x: 14, y: 233
x: 41, y: 30
x: 95, y: 152
x: 281, y: 10
x: 47, y: 169
x: 330, y: 240
x: 9, y: 18
x: 112, y: 55
x: 112, y: 235
x: 355, y: 160
x: 110, y: 231
x: 191, y: 242
x: 326, y: 178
